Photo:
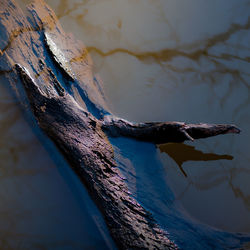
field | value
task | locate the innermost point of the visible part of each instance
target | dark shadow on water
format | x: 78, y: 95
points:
x: 181, y: 153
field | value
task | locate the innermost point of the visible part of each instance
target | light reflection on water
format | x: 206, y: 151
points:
x: 179, y: 60
x: 175, y: 60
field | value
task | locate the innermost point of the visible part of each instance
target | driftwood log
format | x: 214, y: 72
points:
x: 55, y: 71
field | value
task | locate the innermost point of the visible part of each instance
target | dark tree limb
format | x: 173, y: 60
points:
x: 39, y: 56
x: 163, y: 132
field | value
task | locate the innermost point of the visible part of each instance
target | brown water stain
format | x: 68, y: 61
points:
x: 236, y: 190
x: 168, y: 54
x: 64, y: 10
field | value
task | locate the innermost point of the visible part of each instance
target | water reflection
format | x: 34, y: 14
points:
x: 181, y: 153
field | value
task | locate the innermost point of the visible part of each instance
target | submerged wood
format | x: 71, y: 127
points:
x: 54, y: 69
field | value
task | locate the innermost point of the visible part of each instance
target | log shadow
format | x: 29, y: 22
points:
x: 182, y: 153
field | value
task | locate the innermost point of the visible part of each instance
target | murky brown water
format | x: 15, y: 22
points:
x: 165, y: 60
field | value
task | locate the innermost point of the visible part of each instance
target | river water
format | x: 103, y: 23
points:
x: 160, y: 60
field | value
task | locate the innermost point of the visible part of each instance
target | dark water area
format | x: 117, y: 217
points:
x: 159, y: 60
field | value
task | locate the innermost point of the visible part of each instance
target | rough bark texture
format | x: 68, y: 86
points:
x: 55, y: 69
x: 163, y: 132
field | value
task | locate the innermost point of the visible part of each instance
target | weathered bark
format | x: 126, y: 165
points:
x: 41, y: 57
x: 163, y: 132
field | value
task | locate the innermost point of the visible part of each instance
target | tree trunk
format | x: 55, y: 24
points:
x: 54, y: 70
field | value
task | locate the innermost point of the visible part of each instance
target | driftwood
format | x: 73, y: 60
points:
x: 55, y: 69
